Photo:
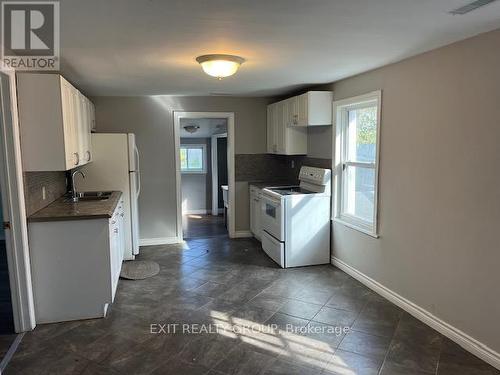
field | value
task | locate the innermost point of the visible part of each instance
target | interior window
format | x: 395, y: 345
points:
x: 193, y: 158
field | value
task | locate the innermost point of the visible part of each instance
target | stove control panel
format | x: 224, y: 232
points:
x: 317, y: 176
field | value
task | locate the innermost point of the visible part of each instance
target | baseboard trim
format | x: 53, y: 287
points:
x: 242, y: 234
x: 158, y: 241
x: 10, y: 353
x: 461, y: 338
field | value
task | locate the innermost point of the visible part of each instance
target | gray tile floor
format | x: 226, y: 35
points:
x: 203, y: 226
x: 258, y: 319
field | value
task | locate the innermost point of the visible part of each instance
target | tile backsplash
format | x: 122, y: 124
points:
x: 34, y: 182
x: 273, y: 168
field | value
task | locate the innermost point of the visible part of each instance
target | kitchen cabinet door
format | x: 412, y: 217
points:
x: 70, y: 125
x: 280, y: 128
x: 255, y: 211
x: 93, y: 126
x: 302, y: 109
x: 114, y: 252
x: 288, y: 112
x: 271, y: 129
x: 82, y: 127
x: 78, y: 125
x: 86, y: 143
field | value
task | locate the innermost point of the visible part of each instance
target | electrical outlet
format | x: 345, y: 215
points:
x: 44, y: 193
x: 293, y: 164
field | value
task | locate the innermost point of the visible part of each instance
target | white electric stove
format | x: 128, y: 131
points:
x: 296, y: 220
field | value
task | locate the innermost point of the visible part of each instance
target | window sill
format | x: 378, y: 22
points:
x: 193, y: 172
x: 356, y: 227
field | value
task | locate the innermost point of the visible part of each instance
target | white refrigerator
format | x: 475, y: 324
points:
x: 115, y: 166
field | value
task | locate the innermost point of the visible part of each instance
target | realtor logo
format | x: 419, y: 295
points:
x: 30, y: 35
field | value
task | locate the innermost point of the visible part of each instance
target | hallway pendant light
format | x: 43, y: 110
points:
x: 220, y: 66
x: 191, y: 128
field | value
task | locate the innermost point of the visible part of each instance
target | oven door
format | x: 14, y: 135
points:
x: 273, y: 217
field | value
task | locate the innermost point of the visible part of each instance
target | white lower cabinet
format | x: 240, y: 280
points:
x: 75, y: 266
x: 117, y: 245
x: 255, y: 212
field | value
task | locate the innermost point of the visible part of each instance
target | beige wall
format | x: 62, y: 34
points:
x: 151, y: 119
x: 439, y: 208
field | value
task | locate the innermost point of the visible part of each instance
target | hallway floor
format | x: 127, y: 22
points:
x: 258, y: 319
x: 203, y: 226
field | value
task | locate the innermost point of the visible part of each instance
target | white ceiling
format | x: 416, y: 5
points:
x: 148, y: 47
x: 208, y: 127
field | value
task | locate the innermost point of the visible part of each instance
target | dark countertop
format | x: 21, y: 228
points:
x: 61, y: 210
x: 263, y: 184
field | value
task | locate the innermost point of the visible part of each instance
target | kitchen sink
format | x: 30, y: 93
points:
x: 90, y: 196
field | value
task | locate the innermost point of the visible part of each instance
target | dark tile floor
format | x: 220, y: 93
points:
x: 203, y: 226
x: 242, y: 315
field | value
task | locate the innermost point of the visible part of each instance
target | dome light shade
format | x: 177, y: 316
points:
x: 220, y: 66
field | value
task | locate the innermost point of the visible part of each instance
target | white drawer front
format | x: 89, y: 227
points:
x: 274, y: 248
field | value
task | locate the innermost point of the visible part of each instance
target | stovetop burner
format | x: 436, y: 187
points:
x: 289, y: 190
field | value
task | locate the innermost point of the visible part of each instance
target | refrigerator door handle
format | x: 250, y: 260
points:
x: 137, y: 163
x: 138, y: 171
x: 138, y: 183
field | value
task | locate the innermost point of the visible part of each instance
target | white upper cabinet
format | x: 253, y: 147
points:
x: 55, y: 122
x: 314, y: 108
x: 287, y: 121
x: 281, y: 138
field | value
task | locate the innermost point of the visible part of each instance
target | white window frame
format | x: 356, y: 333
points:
x: 204, y: 158
x: 340, y: 118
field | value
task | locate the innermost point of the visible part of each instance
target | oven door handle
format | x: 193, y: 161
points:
x: 268, y: 199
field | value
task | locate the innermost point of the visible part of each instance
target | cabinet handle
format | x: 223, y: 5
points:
x: 77, y: 159
x: 88, y: 155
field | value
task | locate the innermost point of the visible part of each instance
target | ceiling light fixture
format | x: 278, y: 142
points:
x: 191, y: 128
x: 220, y: 66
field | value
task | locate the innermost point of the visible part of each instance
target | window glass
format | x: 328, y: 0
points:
x: 183, y: 158
x: 362, y: 134
x: 359, y: 197
x: 192, y: 158
x: 195, y: 158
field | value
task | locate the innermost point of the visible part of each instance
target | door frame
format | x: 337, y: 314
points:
x: 14, y: 210
x: 229, y: 116
x: 215, y: 173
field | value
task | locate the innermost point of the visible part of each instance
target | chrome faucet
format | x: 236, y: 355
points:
x: 74, y: 193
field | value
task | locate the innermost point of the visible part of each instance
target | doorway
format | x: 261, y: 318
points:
x: 205, y: 176
x: 8, y: 223
x: 203, y: 158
